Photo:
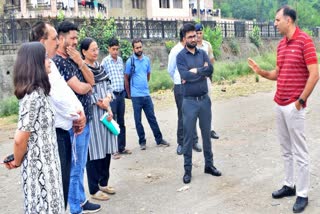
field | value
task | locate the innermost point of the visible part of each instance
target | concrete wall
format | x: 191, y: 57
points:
x: 6, y: 76
x: 127, y: 10
x: 154, y: 10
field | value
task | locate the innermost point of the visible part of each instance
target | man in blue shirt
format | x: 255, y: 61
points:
x: 194, y: 67
x: 137, y: 75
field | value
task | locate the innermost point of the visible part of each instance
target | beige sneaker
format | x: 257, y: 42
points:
x: 107, y: 189
x: 101, y: 196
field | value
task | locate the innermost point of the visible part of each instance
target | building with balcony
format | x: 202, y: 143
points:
x: 52, y: 8
x: 151, y: 9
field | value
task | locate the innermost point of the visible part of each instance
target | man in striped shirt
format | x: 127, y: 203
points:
x: 296, y: 74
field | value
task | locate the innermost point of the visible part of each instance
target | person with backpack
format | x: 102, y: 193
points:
x: 137, y: 75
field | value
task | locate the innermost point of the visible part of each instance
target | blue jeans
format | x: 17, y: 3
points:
x: 145, y: 104
x: 76, y: 189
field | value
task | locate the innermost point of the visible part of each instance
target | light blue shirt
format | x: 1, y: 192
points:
x: 139, y: 79
x: 172, y: 64
x: 114, y: 69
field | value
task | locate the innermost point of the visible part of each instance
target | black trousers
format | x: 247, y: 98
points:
x: 98, y: 173
x: 118, y: 109
x: 192, y: 110
x: 64, y: 147
x: 178, y: 97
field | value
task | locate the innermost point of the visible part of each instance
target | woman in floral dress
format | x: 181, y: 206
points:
x: 35, y: 144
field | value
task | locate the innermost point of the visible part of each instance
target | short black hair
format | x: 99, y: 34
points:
x: 136, y: 40
x: 38, y: 31
x: 85, y: 44
x: 187, y: 28
x: 288, y: 11
x: 113, y: 42
x: 66, y: 27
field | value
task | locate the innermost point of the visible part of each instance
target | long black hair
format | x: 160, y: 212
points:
x: 29, y: 72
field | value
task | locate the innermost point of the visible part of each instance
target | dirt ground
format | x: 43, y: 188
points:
x: 247, y: 153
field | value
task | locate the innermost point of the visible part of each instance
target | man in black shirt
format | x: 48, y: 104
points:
x: 194, y: 66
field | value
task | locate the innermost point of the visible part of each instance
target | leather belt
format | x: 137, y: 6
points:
x: 117, y: 92
x: 196, y: 98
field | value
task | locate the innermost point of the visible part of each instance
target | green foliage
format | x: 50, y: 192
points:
x: 235, y: 47
x: 232, y: 70
x: 169, y: 45
x: 308, y: 13
x: 308, y: 31
x: 9, y: 106
x: 160, y: 78
x: 255, y: 36
x: 226, y: 10
x: 264, y: 10
x: 99, y: 29
x: 125, y: 49
x: 60, y: 16
x: 215, y: 39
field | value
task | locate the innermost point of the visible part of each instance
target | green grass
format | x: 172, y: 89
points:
x: 9, y: 106
x: 223, y: 71
x: 227, y: 70
x: 160, y: 78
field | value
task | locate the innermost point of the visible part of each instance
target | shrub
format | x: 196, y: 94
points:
x: 215, y: 39
x: 235, y: 47
x: 99, y: 29
x: 9, y: 106
x: 125, y: 49
x: 308, y: 31
x: 255, y: 36
x: 60, y: 16
x: 169, y: 45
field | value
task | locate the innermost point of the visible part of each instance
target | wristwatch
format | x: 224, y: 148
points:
x: 301, y: 101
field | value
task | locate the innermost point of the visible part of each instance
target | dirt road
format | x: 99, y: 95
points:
x: 247, y: 154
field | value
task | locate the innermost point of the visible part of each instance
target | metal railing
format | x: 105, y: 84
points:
x: 15, y: 30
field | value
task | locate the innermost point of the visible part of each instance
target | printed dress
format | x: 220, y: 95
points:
x: 40, y: 169
x: 102, y: 141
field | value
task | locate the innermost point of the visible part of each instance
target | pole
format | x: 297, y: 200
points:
x: 198, y: 9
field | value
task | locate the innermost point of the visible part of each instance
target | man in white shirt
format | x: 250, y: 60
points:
x: 178, y: 95
x: 206, y: 46
x: 68, y: 109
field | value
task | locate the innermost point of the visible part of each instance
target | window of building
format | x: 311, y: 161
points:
x: 115, y: 3
x: 164, y: 4
x: 177, y: 3
x: 138, y: 4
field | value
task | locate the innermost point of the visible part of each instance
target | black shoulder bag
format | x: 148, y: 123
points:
x: 132, y: 70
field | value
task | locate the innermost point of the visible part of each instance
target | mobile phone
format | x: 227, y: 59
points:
x: 8, y: 159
